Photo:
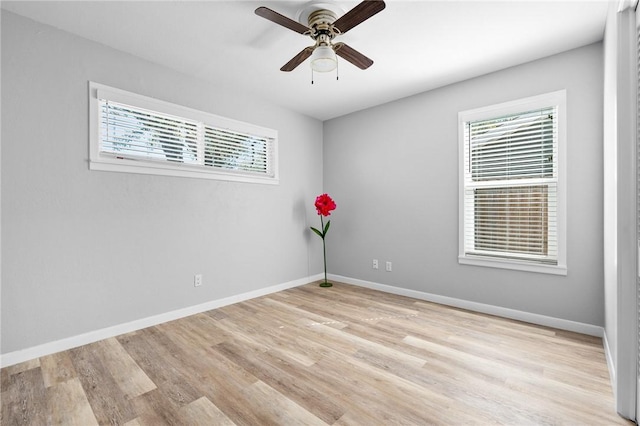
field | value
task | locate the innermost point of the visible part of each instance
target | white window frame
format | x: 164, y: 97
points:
x: 112, y: 163
x: 557, y: 99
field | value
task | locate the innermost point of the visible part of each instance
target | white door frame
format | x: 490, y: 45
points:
x: 637, y: 128
x: 626, y: 365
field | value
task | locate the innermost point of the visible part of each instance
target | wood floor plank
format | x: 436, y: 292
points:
x: 57, y: 368
x: 159, y: 405
x: 167, y: 399
x: 198, y: 332
x: 23, y: 366
x: 353, y: 341
x: 290, y: 315
x: 108, y: 402
x: 203, y: 412
x: 202, y: 367
x: 148, y: 350
x: 392, y: 400
x: 24, y: 402
x: 284, y: 377
x: 148, y: 418
x: 131, y: 379
x: 187, y: 372
x: 343, y: 355
x: 277, y: 409
x: 68, y: 405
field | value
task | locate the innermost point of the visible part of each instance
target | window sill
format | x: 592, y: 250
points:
x: 513, y: 264
x: 132, y: 166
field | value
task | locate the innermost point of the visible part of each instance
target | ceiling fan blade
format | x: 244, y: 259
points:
x: 279, y: 19
x: 298, y: 59
x: 358, y: 14
x: 352, y: 55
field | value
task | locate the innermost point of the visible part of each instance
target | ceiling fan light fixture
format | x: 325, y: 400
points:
x: 323, y: 59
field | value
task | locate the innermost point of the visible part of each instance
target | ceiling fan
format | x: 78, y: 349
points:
x: 323, y: 26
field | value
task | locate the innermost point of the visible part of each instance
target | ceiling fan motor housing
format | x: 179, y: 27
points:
x: 321, y: 19
x: 321, y: 24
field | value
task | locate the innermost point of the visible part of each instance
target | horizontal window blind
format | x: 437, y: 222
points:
x: 513, y: 147
x: 134, y: 133
x: 237, y: 151
x: 510, y: 186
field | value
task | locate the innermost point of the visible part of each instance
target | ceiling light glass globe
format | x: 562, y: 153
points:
x: 323, y: 59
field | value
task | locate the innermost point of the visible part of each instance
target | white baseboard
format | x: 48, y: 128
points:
x: 544, y: 320
x: 16, y: 357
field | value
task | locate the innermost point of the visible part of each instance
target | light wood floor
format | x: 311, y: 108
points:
x: 343, y: 356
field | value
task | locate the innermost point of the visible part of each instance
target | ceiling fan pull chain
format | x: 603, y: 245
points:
x: 311, y: 75
x: 337, y: 70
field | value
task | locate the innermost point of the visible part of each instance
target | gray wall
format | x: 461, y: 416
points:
x: 86, y: 250
x: 393, y: 171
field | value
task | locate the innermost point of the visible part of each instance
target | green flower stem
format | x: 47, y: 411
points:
x: 323, y: 234
x: 324, y: 250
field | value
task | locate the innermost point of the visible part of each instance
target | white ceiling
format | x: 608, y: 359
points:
x: 415, y: 45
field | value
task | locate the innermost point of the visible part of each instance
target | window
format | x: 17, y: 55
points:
x: 512, y: 196
x: 137, y: 134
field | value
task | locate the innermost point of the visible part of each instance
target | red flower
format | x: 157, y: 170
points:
x: 324, y: 204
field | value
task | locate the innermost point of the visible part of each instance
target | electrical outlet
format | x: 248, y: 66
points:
x: 389, y: 267
x: 375, y: 264
x: 197, y: 280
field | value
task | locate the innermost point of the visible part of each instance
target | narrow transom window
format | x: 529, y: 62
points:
x: 511, y: 215
x: 132, y: 133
